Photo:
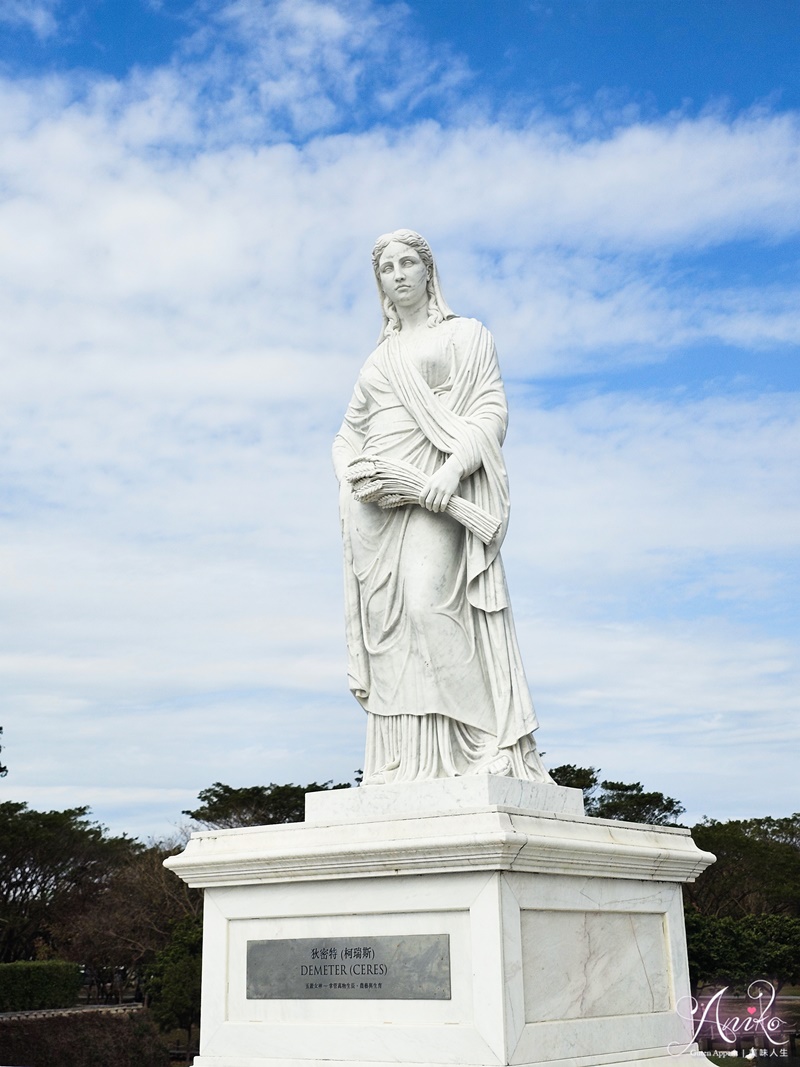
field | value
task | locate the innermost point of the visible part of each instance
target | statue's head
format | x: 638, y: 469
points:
x: 438, y: 309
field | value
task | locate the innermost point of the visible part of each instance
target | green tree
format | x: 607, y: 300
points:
x: 712, y: 950
x: 173, y: 980
x: 757, y: 870
x: 734, y: 951
x: 743, y: 912
x: 618, y: 800
x: 224, y: 806
x: 52, y: 863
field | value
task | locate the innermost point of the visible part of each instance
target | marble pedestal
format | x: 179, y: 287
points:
x: 565, y: 936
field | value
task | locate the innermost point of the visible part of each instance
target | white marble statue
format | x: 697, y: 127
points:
x: 433, y: 657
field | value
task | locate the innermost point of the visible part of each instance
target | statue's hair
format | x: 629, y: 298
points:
x: 438, y: 309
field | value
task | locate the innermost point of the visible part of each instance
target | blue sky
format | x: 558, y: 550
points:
x: 190, y: 194
x: 660, y: 54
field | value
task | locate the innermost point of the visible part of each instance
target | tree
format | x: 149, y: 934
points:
x: 743, y: 912
x: 630, y: 802
x: 618, y: 800
x: 735, y: 951
x: 129, y: 921
x: 757, y: 870
x: 173, y: 981
x: 225, y: 807
x: 142, y: 929
x: 52, y: 863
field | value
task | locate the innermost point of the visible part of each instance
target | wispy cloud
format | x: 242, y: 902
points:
x: 38, y: 16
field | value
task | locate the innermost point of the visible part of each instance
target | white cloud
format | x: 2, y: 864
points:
x: 261, y: 72
x: 536, y: 233
x: 35, y: 15
x: 642, y: 484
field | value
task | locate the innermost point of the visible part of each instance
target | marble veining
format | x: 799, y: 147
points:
x: 591, y: 964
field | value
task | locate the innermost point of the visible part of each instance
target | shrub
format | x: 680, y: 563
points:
x: 31, y: 986
x: 83, y: 1039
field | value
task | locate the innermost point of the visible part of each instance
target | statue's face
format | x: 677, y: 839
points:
x: 403, y: 275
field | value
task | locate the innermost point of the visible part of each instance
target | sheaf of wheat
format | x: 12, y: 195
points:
x: 390, y: 483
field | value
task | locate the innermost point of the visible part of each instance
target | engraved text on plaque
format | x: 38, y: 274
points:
x: 397, y: 967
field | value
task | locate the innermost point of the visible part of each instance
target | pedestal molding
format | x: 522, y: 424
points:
x: 493, y: 840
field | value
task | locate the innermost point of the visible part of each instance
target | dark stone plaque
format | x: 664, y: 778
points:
x: 402, y: 967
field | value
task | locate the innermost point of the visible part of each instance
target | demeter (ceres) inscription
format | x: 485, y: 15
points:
x: 402, y: 967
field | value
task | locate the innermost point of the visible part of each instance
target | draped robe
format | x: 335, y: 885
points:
x: 432, y: 653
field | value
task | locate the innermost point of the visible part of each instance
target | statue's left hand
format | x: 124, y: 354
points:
x: 440, y: 487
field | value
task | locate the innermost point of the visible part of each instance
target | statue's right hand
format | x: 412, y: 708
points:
x: 439, y: 488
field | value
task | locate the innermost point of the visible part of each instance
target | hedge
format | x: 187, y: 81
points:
x: 32, y: 986
x: 83, y: 1039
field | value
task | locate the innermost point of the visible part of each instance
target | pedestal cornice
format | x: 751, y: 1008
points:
x: 498, y: 838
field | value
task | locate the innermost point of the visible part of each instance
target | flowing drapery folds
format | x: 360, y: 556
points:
x: 433, y: 657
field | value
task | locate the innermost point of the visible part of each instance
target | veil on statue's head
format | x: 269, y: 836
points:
x: 438, y: 308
